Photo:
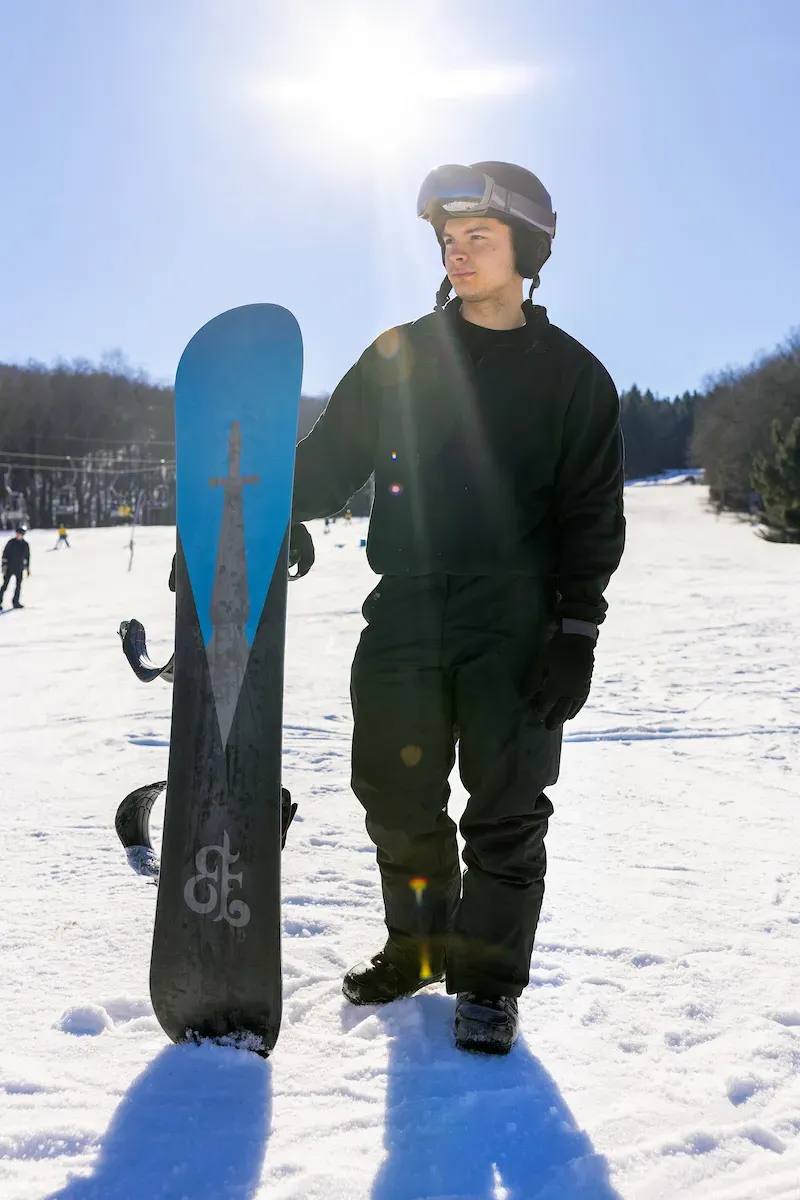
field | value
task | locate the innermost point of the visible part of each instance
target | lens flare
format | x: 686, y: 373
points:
x: 411, y: 756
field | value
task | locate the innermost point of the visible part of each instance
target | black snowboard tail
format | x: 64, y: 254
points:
x: 215, y: 971
x: 134, y: 647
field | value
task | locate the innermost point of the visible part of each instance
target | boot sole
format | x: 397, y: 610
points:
x: 480, y: 1046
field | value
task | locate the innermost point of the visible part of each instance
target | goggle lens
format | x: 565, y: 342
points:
x: 452, y: 184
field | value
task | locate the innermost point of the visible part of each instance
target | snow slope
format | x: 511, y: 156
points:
x: 662, y: 1025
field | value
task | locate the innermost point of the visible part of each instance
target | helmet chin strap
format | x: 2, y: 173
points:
x: 443, y: 294
x: 445, y: 288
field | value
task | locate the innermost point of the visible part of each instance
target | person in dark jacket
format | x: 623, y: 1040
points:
x: 494, y: 438
x: 16, y: 559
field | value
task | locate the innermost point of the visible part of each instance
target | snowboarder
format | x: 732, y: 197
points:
x: 16, y: 559
x: 495, y: 442
x: 62, y: 537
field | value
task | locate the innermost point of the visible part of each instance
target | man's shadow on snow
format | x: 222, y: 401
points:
x: 468, y: 1125
x: 194, y: 1124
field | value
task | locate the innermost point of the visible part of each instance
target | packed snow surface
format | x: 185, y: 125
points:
x: 660, y: 1055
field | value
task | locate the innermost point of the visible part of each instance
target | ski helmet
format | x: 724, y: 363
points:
x: 502, y: 190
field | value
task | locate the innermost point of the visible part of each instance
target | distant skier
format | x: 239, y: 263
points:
x: 16, y: 559
x: 62, y: 537
x: 495, y: 443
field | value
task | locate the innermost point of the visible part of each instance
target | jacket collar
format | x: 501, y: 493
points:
x: 536, y: 323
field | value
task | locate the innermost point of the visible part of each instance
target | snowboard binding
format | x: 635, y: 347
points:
x: 132, y: 824
x: 134, y: 647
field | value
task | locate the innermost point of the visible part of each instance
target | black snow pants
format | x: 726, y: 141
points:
x: 450, y: 661
x: 16, y: 575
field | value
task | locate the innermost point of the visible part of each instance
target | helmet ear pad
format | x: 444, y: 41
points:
x: 531, y: 247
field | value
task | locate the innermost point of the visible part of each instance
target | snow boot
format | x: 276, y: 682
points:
x: 486, y: 1023
x: 18, y: 605
x: 384, y: 978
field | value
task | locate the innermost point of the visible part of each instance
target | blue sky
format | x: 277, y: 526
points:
x: 166, y: 159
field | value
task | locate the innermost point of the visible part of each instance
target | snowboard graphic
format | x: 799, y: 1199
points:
x: 216, y: 965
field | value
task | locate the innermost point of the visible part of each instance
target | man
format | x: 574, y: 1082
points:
x: 16, y: 559
x: 497, y: 522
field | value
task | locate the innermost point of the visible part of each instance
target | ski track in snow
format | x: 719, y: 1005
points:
x: 660, y: 1055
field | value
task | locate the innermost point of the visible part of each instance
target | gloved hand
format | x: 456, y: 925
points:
x: 569, y: 662
x: 301, y: 551
x: 172, y: 573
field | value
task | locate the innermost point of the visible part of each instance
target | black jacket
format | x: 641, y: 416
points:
x: 508, y: 461
x: 16, y: 556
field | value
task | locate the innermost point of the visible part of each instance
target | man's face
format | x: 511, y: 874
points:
x: 19, y: 535
x: 479, y: 257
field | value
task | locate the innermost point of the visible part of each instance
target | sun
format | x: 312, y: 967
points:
x: 367, y: 84
x: 365, y: 90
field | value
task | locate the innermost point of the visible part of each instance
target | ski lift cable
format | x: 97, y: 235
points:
x: 76, y: 437
x: 71, y: 458
x: 95, y: 468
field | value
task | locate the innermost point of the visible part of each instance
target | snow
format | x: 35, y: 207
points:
x: 661, y: 1030
x: 668, y: 478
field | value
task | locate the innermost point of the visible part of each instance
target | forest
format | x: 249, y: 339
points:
x: 94, y: 444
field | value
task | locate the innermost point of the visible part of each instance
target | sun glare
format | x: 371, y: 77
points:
x: 367, y: 86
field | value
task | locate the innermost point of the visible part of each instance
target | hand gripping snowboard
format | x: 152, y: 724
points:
x: 216, y: 967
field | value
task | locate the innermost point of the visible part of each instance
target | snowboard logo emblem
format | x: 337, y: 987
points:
x: 229, y: 650
x: 218, y: 882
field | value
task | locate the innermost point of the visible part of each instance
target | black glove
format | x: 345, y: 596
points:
x: 172, y: 574
x: 301, y: 551
x: 569, y: 661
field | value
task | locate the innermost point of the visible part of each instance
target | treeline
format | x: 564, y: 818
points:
x: 91, y: 444
x: 83, y: 443
x: 733, y: 428
x: 743, y: 429
x: 657, y: 433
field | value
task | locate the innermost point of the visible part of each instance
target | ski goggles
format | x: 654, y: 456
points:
x: 463, y: 191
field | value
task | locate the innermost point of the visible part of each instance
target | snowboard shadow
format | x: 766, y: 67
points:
x: 194, y: 1124
x: 463, y: 1126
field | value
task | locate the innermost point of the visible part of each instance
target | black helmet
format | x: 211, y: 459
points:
x: 21, y: 529
x: 532, y: 245
x: 502, y: 190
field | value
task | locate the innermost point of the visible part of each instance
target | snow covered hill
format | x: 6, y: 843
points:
x: 661, y: 1051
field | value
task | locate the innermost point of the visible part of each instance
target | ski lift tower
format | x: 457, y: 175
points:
x: 13, y: 506
x: 65, y: 504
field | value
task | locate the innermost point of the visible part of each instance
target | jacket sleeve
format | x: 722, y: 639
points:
x: 589, y: 489
x: 338, y: 455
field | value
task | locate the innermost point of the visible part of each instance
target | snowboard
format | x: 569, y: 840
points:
x: 215, y: 970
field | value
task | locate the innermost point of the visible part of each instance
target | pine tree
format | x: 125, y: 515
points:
x: 778, y: 483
